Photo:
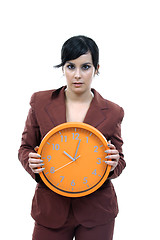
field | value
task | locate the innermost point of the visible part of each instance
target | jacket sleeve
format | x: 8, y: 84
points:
x: 31, y: 138
x: 117, y: 141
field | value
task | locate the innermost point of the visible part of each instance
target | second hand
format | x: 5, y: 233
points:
x: 65, y: 165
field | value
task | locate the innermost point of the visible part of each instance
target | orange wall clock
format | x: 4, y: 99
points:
x: 74, y: 159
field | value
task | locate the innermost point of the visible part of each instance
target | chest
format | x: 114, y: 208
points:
x: 76, y: 112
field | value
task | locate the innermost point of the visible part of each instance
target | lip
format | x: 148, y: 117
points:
x: 77, y: 84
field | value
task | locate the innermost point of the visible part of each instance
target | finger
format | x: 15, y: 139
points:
x: 115, y: 157
x: 112, y: 151
x: 111, y: 146
x: 36, y: 148
x: 38, y: 170
x: 34, y: 155
x: 35, y: 160
x: 112, y: 163
x: 33, y: 166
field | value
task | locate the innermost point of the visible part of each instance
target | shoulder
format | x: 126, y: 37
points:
x: 109, y: 107
x: 47, y: 94
x: 115, y: 107
x: 42, y: 98
x: 116, y: 110
x: 41, y: 95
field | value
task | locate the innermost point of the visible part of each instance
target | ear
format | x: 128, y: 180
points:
x: 97, y: 70
x: 63, y: 70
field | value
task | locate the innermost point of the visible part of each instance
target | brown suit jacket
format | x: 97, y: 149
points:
x: 47, y: 111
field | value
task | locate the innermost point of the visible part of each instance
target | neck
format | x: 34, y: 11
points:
x: 81, y: 97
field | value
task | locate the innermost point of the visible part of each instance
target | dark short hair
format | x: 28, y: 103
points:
x: 76, y: 46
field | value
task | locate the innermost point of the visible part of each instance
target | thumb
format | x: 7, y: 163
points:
x: 36, y: 148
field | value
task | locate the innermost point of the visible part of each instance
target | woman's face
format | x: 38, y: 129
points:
x: 79, y: 73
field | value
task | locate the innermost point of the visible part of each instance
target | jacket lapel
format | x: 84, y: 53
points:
x: 56, y: 108
x: 95, y: 115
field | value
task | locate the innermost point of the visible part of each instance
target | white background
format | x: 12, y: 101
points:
x: 128, y: 35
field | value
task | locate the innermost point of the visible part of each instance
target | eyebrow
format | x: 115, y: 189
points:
x: 82, y: 63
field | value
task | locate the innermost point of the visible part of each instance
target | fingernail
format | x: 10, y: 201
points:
x: 107, y: 157
x: 41, y: 160
x: 42, y: 164
x: 39, y: 155
x: 42, y: 169
x: 107, y: 151
x: 108, y: 162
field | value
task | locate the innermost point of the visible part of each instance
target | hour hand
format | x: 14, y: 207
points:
x: 73, y: 159
x: 69, y: 156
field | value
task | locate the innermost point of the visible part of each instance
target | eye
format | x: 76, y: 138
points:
x: 86, y: 67
x: 70, y: 66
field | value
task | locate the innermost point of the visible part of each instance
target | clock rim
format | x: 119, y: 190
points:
x: 74, y: 125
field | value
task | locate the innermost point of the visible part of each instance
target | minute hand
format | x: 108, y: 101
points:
x: 77, y: 149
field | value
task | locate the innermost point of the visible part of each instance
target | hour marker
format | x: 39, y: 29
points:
x: 101, y: 146
x: 46, y: 172
x: 87, y: 185
x: 48, y: 143
x: 72, y: 189
x: 59, y: 132
x: 75, y: 129
x: 57, y: 184
x: 90, y: 134
x: 99, y: 175
x: 94, y: 172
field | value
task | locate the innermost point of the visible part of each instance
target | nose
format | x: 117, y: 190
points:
x: 77, y: 74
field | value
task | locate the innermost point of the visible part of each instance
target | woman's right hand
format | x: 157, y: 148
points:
x: 35, y: 163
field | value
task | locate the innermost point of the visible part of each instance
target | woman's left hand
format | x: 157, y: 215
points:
x: 114, y: 156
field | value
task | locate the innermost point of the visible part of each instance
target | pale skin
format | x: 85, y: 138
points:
x: 79, y: 74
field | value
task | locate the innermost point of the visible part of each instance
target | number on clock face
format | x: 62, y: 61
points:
x: 76, y: 162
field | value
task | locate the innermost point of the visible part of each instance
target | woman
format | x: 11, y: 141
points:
x: 93, y: 216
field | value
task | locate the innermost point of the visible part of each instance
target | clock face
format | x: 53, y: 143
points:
x: 74, y: 159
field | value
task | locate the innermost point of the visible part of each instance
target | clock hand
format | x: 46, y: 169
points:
x: 69, y: 156
x: 67, y: 163
x: 77, y: 149
x: 73, y: 159
x: 63, y: 166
